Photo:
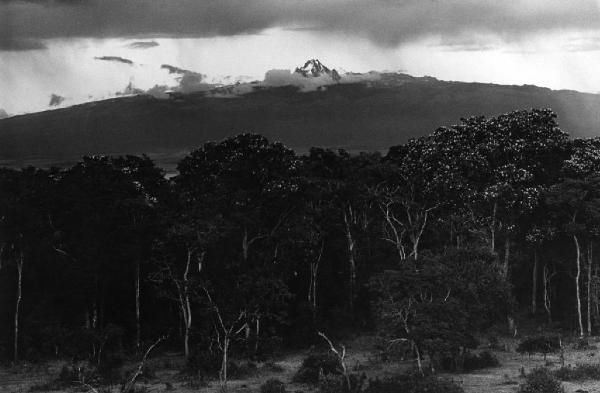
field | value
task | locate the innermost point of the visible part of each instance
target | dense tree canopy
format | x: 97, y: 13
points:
x: 251, y: 244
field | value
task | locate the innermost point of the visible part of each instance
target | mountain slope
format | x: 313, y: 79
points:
x: 357, y: 116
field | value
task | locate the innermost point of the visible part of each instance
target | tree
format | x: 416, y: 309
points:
x: 439, y: 305
x: 575, y: 204
x: 23, y: 225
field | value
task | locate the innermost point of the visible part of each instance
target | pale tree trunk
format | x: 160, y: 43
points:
x: 547, y: 298
x: 224, y: 362
x: 578, y: 262
x: 188, y: 311
x: 396, y: 230
x: 506, y: 256
x: 596, y: 294
x: 589, y: 288
x: 227, y: 333
x: 416, y: 237
x: 351, y: 259
x: 245, y: 246
x: 18, y: 305
x: 185, y: 304
x: 312, y: 288
x: 534, y: 280
x: 137, y: 306
x: 493, y: 229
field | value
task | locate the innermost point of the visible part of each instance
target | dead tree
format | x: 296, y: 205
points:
x: 341, y: 356
x: 129, y: 386
x: 225, y: 333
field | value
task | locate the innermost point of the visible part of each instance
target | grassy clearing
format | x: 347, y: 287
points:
x: 581, y: 367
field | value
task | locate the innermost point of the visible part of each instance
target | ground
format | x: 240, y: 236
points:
x: 362, y: 357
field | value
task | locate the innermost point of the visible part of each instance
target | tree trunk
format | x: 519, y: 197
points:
x: 596, y: 294
x: 589, y: 289
x: 17, y: 306
x: 534, y: 283
x: 506, y: 256
x: 547, y: 299
x: 493, y: 229
x: 137, y: 306
x: 578, y: 262
x: 312, y: 289
x: 351, y: 261
x: 185, y: 305
x: 187, y: 325
x: 245, y: 246
x: 224, y: 362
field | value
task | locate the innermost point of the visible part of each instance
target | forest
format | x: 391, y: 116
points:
x: 252, y: 250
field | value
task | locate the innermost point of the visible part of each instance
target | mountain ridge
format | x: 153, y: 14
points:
x: 372, y: 114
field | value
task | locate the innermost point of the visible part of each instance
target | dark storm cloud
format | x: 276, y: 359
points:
x: 115, y: 58
x: 56, y: 100
x: 173, y: 69
x: 143, y: 44
x: 387, y: 22
x: 14, y: 45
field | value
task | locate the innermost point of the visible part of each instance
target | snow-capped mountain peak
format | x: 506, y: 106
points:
x: 314, y: 68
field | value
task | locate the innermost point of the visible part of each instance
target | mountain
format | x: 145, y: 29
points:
x: 314, y: 68
x: 370, y: 115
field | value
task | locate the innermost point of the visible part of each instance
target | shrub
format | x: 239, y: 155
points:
x: 240, y: 370
x: 67, y: 378
x: 580, y: 372
x: 273, y: 367
x: 484, y: 360
x: 541, y: 380
x: 315, y: 365
x: 110, y: 368
x: 543, y: 344
x: 272, y: 386
x: 202, y: 363
x: 582, y: 344
x: 338, y: 383
x: 413, y: 383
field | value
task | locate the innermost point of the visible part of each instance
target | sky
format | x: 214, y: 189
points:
x: 55, y: 53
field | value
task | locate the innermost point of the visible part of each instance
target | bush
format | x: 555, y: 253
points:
x: 273, y: 367
x: 413, y: 383
x: 241, y: 370
x: 541, y: 380
x: 315, y: 365
x: 273, y: 386
x: 110, y: 367
x: 582, y: 344
x: 580, y: 372
x: 67, y: 378
x: 339, y: 384
x: 202, y: 363
x: 543, y: 344
x: 476, y: 362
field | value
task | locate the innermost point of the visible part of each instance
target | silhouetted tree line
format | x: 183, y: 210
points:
x: 252, y: 246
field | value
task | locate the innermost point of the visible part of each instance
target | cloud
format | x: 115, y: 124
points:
x: 3, y: 114
x: 158, y: 91
x: 143, y: 44
x: 115, y: 58
x: 386, y: 22
x: 130, y: 89
x: 56, y: 100
x: 189, y: 81
x: 14, y: 45
x: 583, y: 44
x: 173, y: 69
